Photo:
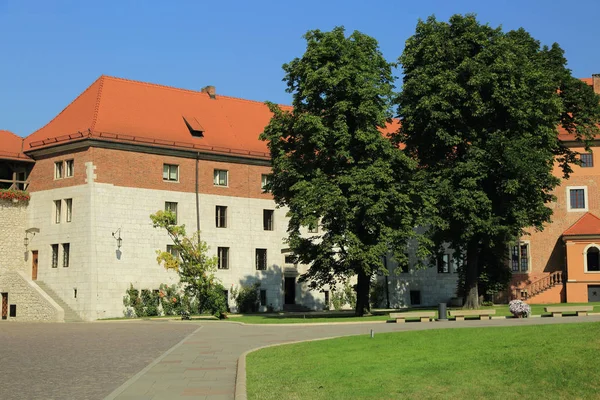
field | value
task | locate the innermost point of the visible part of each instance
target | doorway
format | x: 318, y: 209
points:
x: 593, y: 293
x: 4, y: 305
x: 34, y: 265
x: 290, y: 290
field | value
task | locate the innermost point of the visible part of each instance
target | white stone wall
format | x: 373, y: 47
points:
x: 433, y: 287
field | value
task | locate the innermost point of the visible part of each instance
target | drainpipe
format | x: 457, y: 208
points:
x: 197, y: 199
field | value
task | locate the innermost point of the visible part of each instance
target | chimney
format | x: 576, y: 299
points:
x: 596, y: 83
x: 212, y: 91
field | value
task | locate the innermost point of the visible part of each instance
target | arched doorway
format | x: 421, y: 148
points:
x: 592, y: 258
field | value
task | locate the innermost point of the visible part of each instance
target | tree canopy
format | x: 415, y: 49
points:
x: 480, y: 111
x: 333, y: 167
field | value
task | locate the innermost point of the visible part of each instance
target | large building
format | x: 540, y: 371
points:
x: 124, y: 149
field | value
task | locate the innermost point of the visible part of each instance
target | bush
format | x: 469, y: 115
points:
x: 247, y: 298
x: 519, y: 308
x: 377, y: 296
x: 170, y: 300
x: 143, y: 303
x: 346, y: 296
x: 215, y: 302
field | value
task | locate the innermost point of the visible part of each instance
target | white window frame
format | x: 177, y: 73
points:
x: 268, y: 220
x: 168, y: 207
x: 57, y: 211
x: 585, y: 263
x: 264, y: 179
x: 217, y: 175
x: 59, y: 170
x: 54, y: 249
x: 223, y: 262
x: 221, y: 216
x: 510, y: 260
x: 167, y: 169
x: 66, y: 254
x: 69, y: 168
x: 68, y: 210
x: 172, y: 250
x: 585, y: 198
x: 264, y: 265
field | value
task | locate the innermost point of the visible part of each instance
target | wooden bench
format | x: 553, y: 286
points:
x: 461, y: 314
x: 558, y: 310
x: 424, y: 316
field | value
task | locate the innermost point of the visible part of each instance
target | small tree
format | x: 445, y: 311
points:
x: 195, y: 268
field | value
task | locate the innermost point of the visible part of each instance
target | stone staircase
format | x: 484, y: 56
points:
x: 70, y: 315
x: 540, y: 286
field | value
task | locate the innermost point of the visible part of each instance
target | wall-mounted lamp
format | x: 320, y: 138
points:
x: 32, y: 232
x: 117, y: 236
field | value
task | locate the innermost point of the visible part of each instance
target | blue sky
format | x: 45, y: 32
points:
x: 50, y: 51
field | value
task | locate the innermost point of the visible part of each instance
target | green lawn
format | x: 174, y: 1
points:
x: 525, y: 362
x: 333, y: 316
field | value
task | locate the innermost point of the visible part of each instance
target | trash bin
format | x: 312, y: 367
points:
x: 442, y: 312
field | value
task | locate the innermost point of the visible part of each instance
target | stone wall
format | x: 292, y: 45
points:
x: 33, y: 304
x: 13, y: 217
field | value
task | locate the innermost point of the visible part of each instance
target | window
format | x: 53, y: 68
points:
x: 54, y: 256
x: 66, y: 247
x: 58, y: 170
x: 313, y: 228
x: 264, y: 180
x: 592, y: 259
x: 57, y: 211
x: 223, y: 257
x: 577, y: 198
x: 261, y: 259
x: 326, y: 299
x: 170, y: 172
x: 69, y: 206
x: 171, y: 249
x: 587, y: 160
x: 404, y: 265
x: 457, y: 260
x: 69, y: 168
x: 263, y: 297
x: 268, y: 220
x: 172, y: 206
x: 221, y: 216
x: 290, y: 259
x: 415, y: 297
x: 519, y: 257
x: 443, y: 264
x: 220, y: 177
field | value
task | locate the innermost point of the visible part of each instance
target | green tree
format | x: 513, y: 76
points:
x: 332, y: 166
x: 195, y: 268
x: 480, y: 110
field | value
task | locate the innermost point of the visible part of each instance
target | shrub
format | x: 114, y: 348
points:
x: 519, y: 308
x: 142, y: 303
x: 247, y: 297
x: 170, y: 299
x: 346, y: 296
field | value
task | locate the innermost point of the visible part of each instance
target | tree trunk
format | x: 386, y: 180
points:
x: 472, y: 276
x: 362, y: 294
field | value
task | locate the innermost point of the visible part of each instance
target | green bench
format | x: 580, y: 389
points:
x: 423, y: 316
x: 460, y: 315
x: 558, y: 310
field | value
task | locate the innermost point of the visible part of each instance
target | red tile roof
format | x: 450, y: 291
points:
x: 589, y: 224
x: 11, y: 146
x: 118, y: 109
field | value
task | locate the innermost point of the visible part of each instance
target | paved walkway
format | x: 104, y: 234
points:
x: 203, y: 365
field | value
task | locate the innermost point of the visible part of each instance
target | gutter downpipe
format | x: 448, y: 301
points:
x: 197, y: 199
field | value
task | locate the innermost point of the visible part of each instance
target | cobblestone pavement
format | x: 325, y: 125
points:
x: 78, y: 360
x: 160, y: 360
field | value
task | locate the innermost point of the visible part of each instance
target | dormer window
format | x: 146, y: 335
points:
x: 194, y: 126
